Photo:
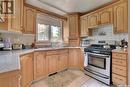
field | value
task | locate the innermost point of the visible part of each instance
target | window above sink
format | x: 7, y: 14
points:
x: 48, y: 29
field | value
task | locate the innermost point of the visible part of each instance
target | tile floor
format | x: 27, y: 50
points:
x: 82, y: 81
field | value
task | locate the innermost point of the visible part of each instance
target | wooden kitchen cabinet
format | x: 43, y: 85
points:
x: 14, y: 22
x: 93, y: 20
x: 119, y: 67
x: 75, y: 58
x: 63, y: 61
x: 74, y: 42
x: 106, y: 16
x: 73, y: 26
x: 40, y: 65
x: 121, y: 17
x: 29, y: 20
x: 16, y: 19
x: 4, y: 24
x: 26, y: 70
x: 84, y: 27
x: 84, y: 31
x: 52, y: 63
x: 74, y: 30
x: 10, y: 79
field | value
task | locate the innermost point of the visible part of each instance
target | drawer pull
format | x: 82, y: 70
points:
x: 118, y: 68
x: 118, y: 78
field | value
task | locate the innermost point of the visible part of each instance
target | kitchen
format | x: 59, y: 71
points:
x: 64, y: 43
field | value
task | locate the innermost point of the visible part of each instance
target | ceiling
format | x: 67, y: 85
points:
x: 68, y: 6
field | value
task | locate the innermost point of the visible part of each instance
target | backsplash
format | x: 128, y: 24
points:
x: 106, y: 33
x: 22, y: 38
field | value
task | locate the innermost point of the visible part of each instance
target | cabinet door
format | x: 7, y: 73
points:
x: 93, y: 20
x: 63, y: 61
x: 29, y: 20
x: 84, y: 27
x: 4, y: 24
x: 121, y: 18
x: 10, y: 79
x: 15, y: 20
x: 52, y: 61
x: 73, y: 58
x: 39, y: 65
x: 73, y: 26
x: 26, y: 70
x: 106, y: 16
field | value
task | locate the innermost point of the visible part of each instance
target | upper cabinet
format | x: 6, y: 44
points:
x: 29, y: 20
x: 93, y: 20
x: 84, y: 30
x: 74, y: 30
x: 100, y: 17
x: 105, y: 16
x: 73, y: 26
x: 116, y: 14
x: 14, y: 21
x: 121, y: 18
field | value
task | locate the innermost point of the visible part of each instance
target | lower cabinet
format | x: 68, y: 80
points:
x: 52, y: 62
x: 63, y: 61
x: 10, y: 79
x: 120, y: 68
x: 40, y: 65
x: 49, y: 62
x: 75, y: 58
x: 26, y: 70
x: 57, y: 61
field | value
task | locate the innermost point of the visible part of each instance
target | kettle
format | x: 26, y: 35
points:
x: 106, y: 46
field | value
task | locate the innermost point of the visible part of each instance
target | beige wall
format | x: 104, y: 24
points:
x: 129, y: 38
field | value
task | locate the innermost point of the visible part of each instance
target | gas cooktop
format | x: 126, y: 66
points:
x: 99, y: 49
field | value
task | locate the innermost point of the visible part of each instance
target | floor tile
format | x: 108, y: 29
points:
x: 82, y: 81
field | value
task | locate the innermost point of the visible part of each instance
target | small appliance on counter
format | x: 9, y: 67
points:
x: 17, y: 46
x: 7, y: 44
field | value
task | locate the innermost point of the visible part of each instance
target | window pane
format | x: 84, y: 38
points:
x: 56, y: 34
x: 43, y: 32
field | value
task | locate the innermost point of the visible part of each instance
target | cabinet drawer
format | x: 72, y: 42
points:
x: 120, y: 70
x: 119, y: 55
x: 51, y: 52
x: 119, y: 80
x: 119, y: 62
x: 63, y: 51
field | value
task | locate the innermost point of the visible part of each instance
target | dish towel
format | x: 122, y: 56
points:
x: 85, y: 59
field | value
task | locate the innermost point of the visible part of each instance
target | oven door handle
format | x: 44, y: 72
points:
x: 101, y: 55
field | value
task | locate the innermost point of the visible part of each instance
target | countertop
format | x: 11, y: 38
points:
x: 120, y: 51
x: 10, y: 60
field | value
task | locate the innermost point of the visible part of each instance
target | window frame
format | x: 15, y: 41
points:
x: 47, y: 41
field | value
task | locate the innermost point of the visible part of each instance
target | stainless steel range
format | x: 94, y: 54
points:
x: 99, y: 63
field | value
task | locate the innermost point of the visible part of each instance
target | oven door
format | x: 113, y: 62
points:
x: 99, y: 63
